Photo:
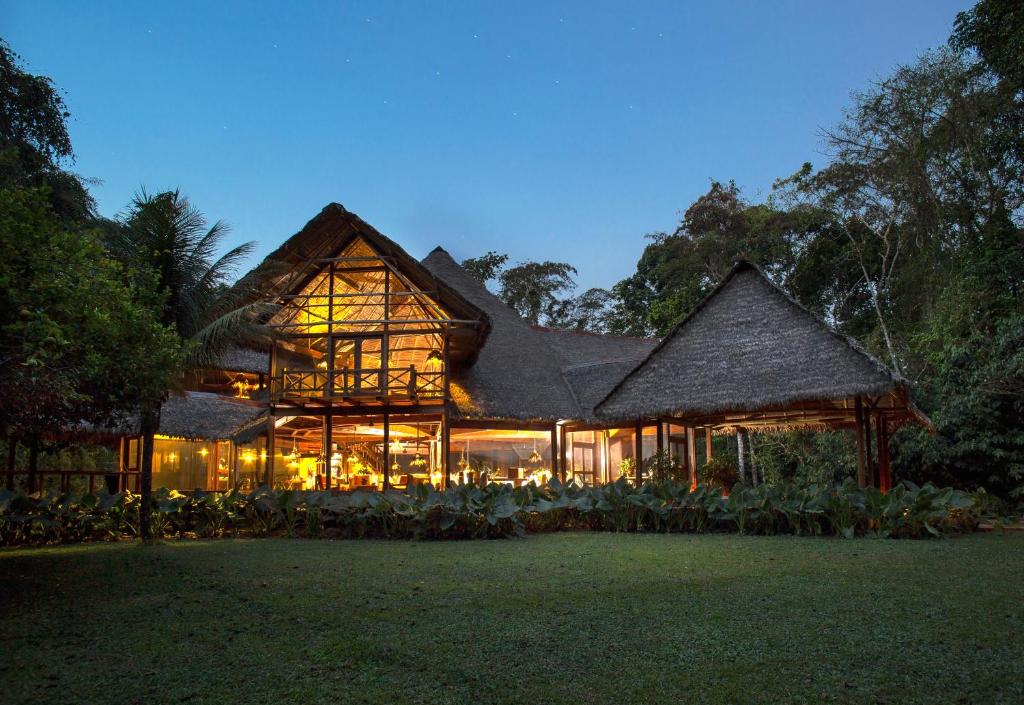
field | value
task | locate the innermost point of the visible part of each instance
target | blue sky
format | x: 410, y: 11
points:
x: 547, y: 130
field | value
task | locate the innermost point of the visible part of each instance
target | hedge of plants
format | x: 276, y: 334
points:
x: 496, y: 511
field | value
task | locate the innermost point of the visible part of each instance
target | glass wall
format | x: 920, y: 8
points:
x: 357, y: 458
x: 598, y: 456
x: 511, y: 456
x: 186, y: 465
x: 251, y: 464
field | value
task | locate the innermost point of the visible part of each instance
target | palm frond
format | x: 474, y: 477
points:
x: 239, y: 326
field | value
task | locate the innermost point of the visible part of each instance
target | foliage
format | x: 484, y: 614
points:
x: 485, y: 267
x: 720, y: 472
x: 34, y: 139
x: 532, y: 288
x: 494, y: 511
x: 663, y: 466
x: 79, y: 344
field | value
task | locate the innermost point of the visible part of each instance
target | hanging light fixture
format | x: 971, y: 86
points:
x: 534, y: 456
x: 418, y: 461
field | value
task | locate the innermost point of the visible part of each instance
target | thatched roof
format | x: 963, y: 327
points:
x: 592, y: 363
x: 243, y: 359
x: 299, y: 260
x: 204, y: 416
x: 747, y: 346
x: 516, y: 375
x: 526, y: 372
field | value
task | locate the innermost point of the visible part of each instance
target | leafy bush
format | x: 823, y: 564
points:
x: 720, y: 471
x: 664, y: 467
x: 496, y: 511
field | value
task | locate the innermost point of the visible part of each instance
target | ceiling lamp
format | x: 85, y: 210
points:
x: 534, y: 456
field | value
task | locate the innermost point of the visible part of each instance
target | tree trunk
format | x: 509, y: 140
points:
x: 12, y: 456
x: 148, y: 428
x: 33, y: 464
x: 741, y: 464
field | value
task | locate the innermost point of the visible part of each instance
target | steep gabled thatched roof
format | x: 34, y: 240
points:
x: 747, y: 346
x: 298, y: 260
x: 203, y: 416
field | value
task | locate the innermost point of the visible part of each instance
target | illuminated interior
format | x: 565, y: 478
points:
x: 359, y: 328
x: 514, y: 457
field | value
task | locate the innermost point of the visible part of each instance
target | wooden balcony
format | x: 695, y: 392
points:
x: 347, y: 383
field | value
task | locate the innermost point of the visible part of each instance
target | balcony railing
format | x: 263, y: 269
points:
x: 348, y: 382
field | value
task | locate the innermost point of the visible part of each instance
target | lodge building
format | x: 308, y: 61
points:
x: 386, y: 370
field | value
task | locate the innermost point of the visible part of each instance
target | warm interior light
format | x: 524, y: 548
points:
x: 203, y: 452
x: 248, y: 456
x: 434, y: 360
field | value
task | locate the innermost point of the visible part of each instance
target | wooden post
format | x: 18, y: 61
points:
x: 691, y: 455
x: 329, y: 382
x: 884, y: 470
x: 638, y: 452
x: 446, y: 426
x: 384, y: 345
x: 554, y: 451
x: 869, y: 464
x: 861, y: 463
x: 562, y: 459
x: 707, y: 443
x: 328, y: 447
x: 661, y: 437
x: 269, y: 471
x: 387, y: 451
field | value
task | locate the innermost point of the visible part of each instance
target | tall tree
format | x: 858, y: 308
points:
x: 78, y: 345
x: 533, y: 288
x: 34, y: 140
x: 166, y: 235
x: 486, y: 267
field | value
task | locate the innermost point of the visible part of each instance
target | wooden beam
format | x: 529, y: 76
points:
x: 859, y: 430
x: 638, y: 452
x: 328, y: 448
x: 502, y: 425
x: 562, y: 459
x: 884, y: 469
x: 271, y: 442
x: 869, y: 463
x: 446, y: 439
x: 387, y: 451
x: 554, y: 450
x: 691, y: 455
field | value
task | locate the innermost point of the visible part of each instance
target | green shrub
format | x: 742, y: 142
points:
x: 720, y: 471
x: 497, y: 511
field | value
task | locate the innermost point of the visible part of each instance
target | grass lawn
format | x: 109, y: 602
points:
x: 563, y: 618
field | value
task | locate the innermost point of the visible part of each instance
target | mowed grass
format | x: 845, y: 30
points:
x: 563, y: 618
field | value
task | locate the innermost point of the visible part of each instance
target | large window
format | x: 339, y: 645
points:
x: 189, y: 465
x: 509, y: 456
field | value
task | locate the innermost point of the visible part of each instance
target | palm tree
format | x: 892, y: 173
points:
x: 165, y: 236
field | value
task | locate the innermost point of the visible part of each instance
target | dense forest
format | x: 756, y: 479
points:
x: 909, y: 239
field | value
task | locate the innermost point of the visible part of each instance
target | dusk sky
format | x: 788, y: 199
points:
x: 561, y: 131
